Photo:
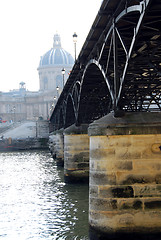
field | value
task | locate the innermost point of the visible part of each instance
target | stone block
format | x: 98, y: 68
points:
x: 116, y: 191
x: 156, y: 148
x: 136, y: 177
x: 152, y: 204
x: 110, y: 165
x: 151, y: 165
x: 96, y: 142
x: 83, y: 165
x: 99, y: 204
x: 102, y: 178
x: 130, y: 204
x: 147, y: 190
x: 93, y: 191
x: 124, y: 165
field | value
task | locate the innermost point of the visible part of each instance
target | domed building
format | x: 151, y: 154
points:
x: 21, y: 104
x: 51, y: 65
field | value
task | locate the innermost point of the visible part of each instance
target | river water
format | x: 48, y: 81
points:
x: 35, y: 203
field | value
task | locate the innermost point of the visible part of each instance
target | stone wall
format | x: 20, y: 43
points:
x: 125, y: 175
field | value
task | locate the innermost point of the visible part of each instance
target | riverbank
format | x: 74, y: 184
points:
x: 27, y: 135
x: 23, y: 144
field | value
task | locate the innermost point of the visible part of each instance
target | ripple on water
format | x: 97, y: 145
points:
x: 35, y: 202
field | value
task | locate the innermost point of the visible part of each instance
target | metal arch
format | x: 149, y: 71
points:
x: 128, y: 10
x: 75, y: 86
x: 75, y: 95
x: 62, y: 108
x: 140, y: 8
x: 115, y: 96
x: 109, y: 90
x: 59, y: 117
x: 70, y: 95
x: 113, y: 31
x: 65, y: 102
x: 94, y: 61
x: 143, y: 6
x: 56, y: 121
x: 56, y: 118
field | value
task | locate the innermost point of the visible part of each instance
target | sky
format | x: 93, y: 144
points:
x: 27, y: 28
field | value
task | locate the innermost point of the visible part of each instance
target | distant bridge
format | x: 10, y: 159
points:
x: 119, y: 66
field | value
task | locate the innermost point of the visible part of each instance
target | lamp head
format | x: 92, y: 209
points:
x: 75, y: 37
x: 63, y: 71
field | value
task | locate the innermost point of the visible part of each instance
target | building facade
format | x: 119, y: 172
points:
x: 19, y: 105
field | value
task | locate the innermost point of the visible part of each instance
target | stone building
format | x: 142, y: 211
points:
x: 21, y: 104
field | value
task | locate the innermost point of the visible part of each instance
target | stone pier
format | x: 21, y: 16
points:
x: 76, y: 154
x: 56, y: 146
x: 125, y: 177
x: 51, y: 143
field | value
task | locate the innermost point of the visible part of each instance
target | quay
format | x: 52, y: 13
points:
x: 28, y: 135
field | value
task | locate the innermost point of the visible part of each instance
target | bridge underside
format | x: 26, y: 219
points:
x: 119, y: 66
x: 142, y: 84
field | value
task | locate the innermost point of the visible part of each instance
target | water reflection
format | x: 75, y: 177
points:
x: 36, y: 204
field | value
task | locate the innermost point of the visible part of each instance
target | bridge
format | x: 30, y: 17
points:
x: 109, y: 116
x: 118, y: 68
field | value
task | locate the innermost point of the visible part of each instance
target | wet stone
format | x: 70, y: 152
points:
x: 133, y: 205
x: 153, y: 205
x: 125, y: 165
x: 158, y: 179
x: 93, y: 191
x: 80, y: 157
x: 137, y: 205
x: 99, y: 178
x: 102, y: 153
x: 123, y: 192
x: 83, y: 165
x: 132, y: 179
x: 102, y: 204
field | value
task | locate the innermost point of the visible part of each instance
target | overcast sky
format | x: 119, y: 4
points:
x: 27, y: 28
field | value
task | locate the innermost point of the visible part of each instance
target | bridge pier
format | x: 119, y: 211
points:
x: 57, y: 146
x: 76, y: 154
x: 125, y: 177
x: 52, y: 142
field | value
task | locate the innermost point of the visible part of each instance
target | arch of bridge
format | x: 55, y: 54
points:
x: 94, y: 97
x: 126, y: 63
x: 88, y: 99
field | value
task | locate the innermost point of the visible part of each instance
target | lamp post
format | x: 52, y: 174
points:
x: 57, y: 89
x: 75, y: 41
x: 63, y: 73
x: 14, y: 113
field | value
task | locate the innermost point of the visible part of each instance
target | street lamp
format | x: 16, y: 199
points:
x: 14, y: 113
x: 57, y: 89
x: 63, y: 73
x: 75, y: 41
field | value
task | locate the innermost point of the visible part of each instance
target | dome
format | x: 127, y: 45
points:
x: 56, y: 55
